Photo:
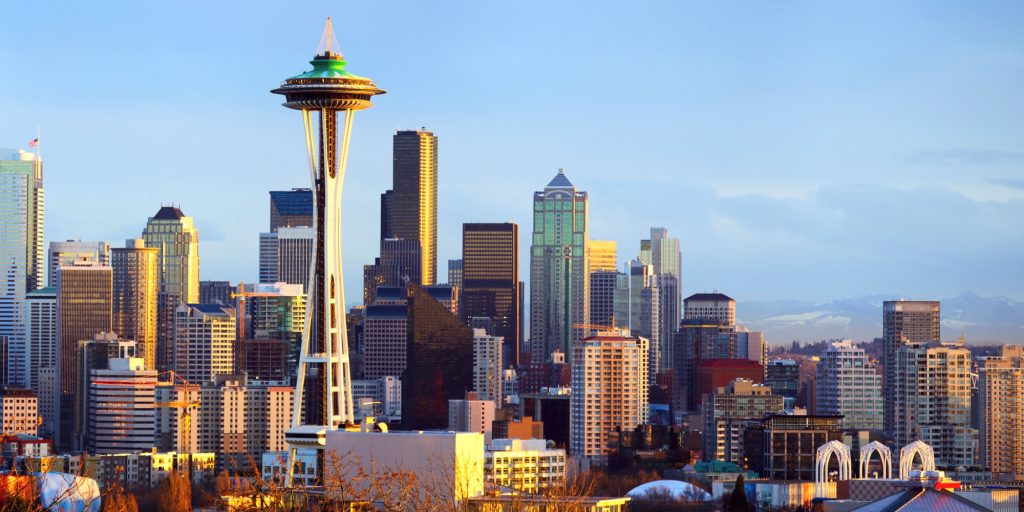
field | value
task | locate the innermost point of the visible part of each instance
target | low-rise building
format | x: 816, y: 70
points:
x: 524, y: 465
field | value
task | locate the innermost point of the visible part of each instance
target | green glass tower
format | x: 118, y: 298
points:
x: 559, y: 268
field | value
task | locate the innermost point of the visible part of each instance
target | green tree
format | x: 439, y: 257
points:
x: 737, y: 501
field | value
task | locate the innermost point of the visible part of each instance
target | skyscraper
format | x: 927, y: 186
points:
x: 121, y: 414
x: 487, y: 366
x: 903, y: 321
x: 413, y: 200
x: 666, y: 260
x: 291, y: 208
x: 604, y: 281
x: 176, y: 239
x: 644, y: 309
x: 559, y: 273
x: 455, y: 273
x: 1001, y: 391
x: 21, y: 249
x: 65, y: 253
x: 714, y: 307
x: 439, y: 361
x: 931, y: 388
x: 136, y: 285
x: 847, y: 385
x: 84, y: 307
x: 490, y: 281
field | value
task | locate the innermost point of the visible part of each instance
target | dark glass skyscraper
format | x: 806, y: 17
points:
x: 291, y: 208
x: 439, y: 362
x: 490, y: 281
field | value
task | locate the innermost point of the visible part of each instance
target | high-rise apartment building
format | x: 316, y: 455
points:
x: 65, y: 253
x: 1001, y: 392
x: 135, y: 288
x: 490, y: 281
x: 559, y: 273
x: 667, y: 262
x: 291, y: 208
x: 121, y: 412
x: 41, y: 307
x: 176, y: 239
x: 84, y: 309
x: 847, y: 384
x: 607, y: 376
x: 903, y: 321
x: 644, y: 308
x: 729, y: 411
x: 204, y: 341
x: 714, y: 307
x: 487, y: 366
x: 439, y: 361
x: 21, y: 250
x: 413, y: 199
x: 931, y: 389
x: 285, y: 255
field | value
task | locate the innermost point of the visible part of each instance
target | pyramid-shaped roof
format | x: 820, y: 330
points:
x: 168, y: 213
x: 560, y: 181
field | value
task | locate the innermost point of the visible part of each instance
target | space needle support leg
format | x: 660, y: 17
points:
x: 300, y: 378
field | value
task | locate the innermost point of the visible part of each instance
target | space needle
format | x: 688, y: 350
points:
x: 321, y: 95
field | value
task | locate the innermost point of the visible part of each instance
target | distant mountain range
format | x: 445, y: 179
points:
x: 982, y: 320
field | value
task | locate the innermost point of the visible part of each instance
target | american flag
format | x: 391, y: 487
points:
x: 33, y: 143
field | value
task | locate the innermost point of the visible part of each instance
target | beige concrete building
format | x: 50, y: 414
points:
x: 204, y: 341
x: 1001, y: 391
x: 715, y: 307
x: 524, y: 465
x: 487, y: 367
x: 607, y: 376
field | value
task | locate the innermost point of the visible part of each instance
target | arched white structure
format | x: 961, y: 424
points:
x: 907, y: 458
x: 825, y: 452
x: 883, y: 453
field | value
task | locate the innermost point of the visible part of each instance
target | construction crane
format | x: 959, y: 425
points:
x: 187, y: 406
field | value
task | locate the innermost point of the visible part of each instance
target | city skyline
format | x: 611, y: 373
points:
x: 735, y: 146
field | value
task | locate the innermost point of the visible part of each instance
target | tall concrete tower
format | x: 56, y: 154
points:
x: 320, y: 95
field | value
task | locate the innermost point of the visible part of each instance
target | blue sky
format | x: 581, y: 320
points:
x: 798, y: 149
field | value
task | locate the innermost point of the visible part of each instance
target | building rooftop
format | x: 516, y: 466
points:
x: 921, y: 499
x: 708, y: 297
x: 169, y: 213
x: 213, y: 309
x: 382, y: 311
x: 560, y: 181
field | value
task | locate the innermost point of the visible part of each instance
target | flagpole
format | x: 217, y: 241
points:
x: 39, y: 161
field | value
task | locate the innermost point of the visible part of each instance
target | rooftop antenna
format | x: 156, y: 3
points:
x: 328, y: 42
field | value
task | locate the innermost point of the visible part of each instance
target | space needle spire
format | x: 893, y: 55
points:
x: 327, y: 97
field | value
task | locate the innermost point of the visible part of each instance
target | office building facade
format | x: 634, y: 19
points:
x: 1001, y: 395
x: 490, y: 281
x: 712, y: 307
x: 439, y: 361
x: 41, y: 306
x: 122, y: 401
x: 176, y: 239
x: 65, y: 253
x: 291, y: 208
x: 84, y: 308
x: 285, y: 255
x: 204, y: 341
x: 728, y: 412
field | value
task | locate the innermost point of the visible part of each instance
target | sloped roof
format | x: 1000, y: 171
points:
x: 560, y: 181
x: 924, y: 499
x: 169, y: 213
